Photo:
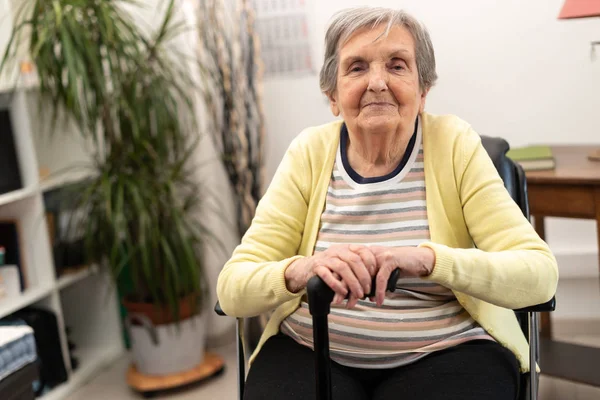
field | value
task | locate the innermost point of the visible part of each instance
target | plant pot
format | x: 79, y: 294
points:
x: 169, y: 348
x: 162, y: 316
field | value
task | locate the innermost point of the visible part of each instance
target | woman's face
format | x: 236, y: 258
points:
x: 377, y: 82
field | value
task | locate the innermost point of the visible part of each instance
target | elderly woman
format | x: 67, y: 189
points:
x: 388, y: 186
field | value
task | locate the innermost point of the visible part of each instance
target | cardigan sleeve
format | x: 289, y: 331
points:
x: 511, y: 266
x: 252, y: 281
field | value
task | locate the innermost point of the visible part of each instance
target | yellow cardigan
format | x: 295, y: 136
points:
x: 486, y: 251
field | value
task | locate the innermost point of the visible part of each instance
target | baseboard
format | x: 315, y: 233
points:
x: 577, y: 264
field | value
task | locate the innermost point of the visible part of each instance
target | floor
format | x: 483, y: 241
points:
x: 110, y: 384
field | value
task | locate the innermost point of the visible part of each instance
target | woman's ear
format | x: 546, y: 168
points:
x: 333, y: 105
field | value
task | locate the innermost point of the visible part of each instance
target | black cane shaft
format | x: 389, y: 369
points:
x: 322, y: 361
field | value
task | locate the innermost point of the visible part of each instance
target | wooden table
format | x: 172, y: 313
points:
x: 571, y: 190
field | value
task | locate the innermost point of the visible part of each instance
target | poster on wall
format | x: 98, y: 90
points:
x: 283, y: 29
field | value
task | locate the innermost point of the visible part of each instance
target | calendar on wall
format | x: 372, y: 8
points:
x: 283, y: 29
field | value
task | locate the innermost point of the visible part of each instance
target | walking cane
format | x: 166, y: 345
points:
x: 320, y: 297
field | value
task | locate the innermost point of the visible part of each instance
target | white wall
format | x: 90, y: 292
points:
x: 509, y: 67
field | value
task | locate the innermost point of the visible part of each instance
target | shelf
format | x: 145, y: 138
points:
x: 56, y: 182
x: 91, y: 361
x: 16, y: 195
x: 28, y: 297
x: 10, y: 87
x: 71, y: 278
x: 32, y: 295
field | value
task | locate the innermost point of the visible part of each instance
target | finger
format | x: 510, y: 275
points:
x: 360, y: 270
x: 352, y: 302
x: 340, y: 298
x: 339, y: 278
x: 329, y: 279
x: 337, y: 299
x: 381, y: 283
x: 368, y: 259
x: 347, y: 274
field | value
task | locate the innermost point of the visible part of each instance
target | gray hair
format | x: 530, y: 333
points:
x: 346, y: 22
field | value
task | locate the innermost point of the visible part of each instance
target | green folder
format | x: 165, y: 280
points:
x: 530, y: 153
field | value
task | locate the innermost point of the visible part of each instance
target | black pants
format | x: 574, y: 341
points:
x: 481, y: 370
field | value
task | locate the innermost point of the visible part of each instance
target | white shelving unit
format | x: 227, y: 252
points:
x: 85, y: 302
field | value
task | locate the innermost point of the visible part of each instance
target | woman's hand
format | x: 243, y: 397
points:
x: 342, y: 267
x: 412, y: 261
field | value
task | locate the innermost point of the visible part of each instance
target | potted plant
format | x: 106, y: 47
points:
x: 131, y: 98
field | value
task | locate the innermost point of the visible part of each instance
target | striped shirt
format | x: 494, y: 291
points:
x: 420, y: 316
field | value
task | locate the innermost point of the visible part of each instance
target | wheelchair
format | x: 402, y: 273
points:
x: 320, y: 295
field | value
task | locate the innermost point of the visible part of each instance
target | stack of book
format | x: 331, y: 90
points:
x: 533, y: 158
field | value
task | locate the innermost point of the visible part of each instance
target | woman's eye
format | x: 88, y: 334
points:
x: 398, y: 67
x: 356, y: 69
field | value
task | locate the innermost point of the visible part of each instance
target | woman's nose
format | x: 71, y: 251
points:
x: 377, y: 80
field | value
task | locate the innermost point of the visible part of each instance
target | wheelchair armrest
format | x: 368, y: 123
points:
x: 219, y: 311
x: 550, y: 305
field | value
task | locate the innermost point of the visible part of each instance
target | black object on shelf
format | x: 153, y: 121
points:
x: 72, y: 348
x: 10, y: 178
x: 20, y: 384
x: 68, y: 255
x: 74, y: 363
x: 67, y: 249
x: 45, y: 330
